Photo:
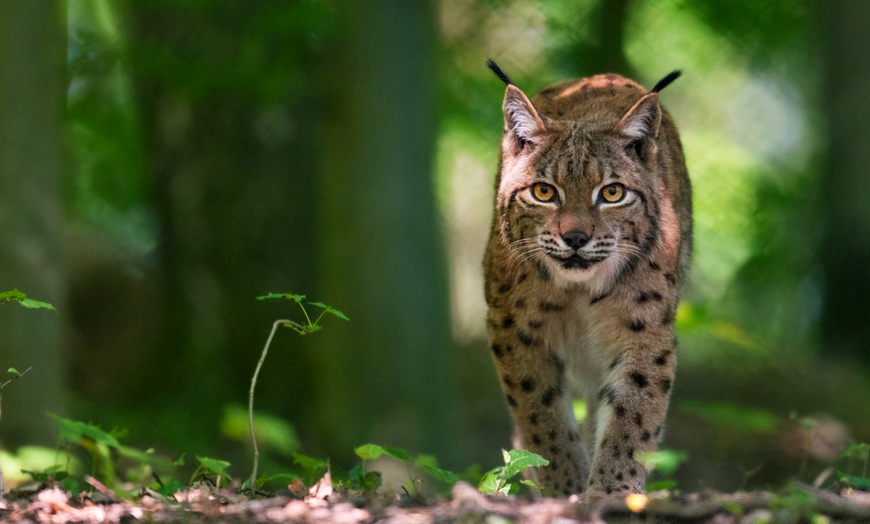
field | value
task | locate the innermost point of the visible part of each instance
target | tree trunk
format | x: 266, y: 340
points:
x: 385, y: 375
x: 846, y: 249
x: 32, y: 99
x: 226, y: 104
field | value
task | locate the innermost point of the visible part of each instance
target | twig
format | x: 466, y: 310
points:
x: 275, y: 326
x: 4, y: 384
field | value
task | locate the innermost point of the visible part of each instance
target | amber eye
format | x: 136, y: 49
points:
x: 544, y: 192
x: 613, y: 193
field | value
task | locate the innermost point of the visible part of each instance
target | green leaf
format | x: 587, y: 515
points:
x: 856, y: 451
x: 273, y: 433
x: 295, y: 298
x: 54, y: 473
x: 21, y: 298
x: 73, y: 431
x: 518, y: 460
x: 13, y: 371
x: 492, y: 482
x: 314, y: 467
x: 532, y: 484
x: 664, y: 461
x: 330, y: 309
x: 362, y: 480
x: 397, y: 453
x: 71, y: 485
x: 429, y: 464
x: 369, y: 451
x: 215, y: 466
x: 285, y: 477
x: 12, y: 296
x: 29, y: 303
x: 170, y: 488
x: 733, y: 416
x: 859, y: 483
x: 733, y: 507
x: 661, y: 485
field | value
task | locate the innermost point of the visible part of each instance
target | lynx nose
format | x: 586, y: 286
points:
x: 575, y: 239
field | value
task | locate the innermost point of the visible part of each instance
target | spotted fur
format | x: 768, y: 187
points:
x: 582, y: 291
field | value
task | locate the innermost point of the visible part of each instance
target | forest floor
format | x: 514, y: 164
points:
x: 205, y: 504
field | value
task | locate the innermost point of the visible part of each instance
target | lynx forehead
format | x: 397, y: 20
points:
x: 590, y: 243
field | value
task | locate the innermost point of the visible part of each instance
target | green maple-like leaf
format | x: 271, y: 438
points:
x: 429, y: 464
x: 330, y: 309
x: 215, y: 466
x: 518, y: 460
x: 21, y: 298
x: 289, y: 296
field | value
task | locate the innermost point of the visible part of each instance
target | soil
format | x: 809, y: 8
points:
x: 320, y: 503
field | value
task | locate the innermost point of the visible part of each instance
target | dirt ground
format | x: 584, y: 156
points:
x: 205, y: 504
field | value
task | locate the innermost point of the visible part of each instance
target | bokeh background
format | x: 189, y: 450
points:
x: 165, y: 162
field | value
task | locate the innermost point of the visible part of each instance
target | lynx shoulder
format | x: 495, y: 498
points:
x: 590, y: 243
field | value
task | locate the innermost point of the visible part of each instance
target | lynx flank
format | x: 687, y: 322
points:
x: 590, y: 244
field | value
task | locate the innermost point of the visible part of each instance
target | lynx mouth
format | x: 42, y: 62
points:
x: 576, y: 262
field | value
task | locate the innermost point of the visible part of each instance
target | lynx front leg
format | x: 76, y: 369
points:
x: 532, y: 380
x: 631, y: 414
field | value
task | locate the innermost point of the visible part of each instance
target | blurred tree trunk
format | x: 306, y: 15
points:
x: 846, y: 248
x: 385, y: 375
x: 226, y: 106
x: 32, y: 95
x: 608, y: 51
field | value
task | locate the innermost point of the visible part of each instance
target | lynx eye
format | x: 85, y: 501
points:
x: 544, y: 192
x: 612, y: 193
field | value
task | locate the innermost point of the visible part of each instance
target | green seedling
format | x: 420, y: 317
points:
x: 860, y: 452
x: 103, y: 446
x: 362, y: 480
x: 307, y: 328
x: 28, y: 303
x: 212, y: 470
x: 502, y: 479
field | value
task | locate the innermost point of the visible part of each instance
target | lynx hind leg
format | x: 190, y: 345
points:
x: 541, y: 413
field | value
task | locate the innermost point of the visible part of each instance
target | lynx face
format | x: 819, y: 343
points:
x: 577, y: 201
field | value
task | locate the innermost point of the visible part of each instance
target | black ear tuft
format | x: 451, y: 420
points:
x: 666, y: 81
x: 490, y: 63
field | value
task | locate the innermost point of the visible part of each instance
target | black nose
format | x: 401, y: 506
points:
x: 575, y: 239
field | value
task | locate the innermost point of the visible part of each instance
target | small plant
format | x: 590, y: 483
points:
x: 28, y: 303
x: 502, y: 479
x: 363, y: 480
x: 307, y: 328
x: 860, y: 452
x: 102, y: 446
x: 211, y: 470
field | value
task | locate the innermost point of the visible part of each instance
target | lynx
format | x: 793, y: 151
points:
x: 591, y: 241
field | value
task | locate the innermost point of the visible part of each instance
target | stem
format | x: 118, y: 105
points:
x: 251, y: 396
x: 307, y: 318
x: 3, y: 385
x: 319, y: 317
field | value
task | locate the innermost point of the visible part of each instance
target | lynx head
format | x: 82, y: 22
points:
x: 579, y: 177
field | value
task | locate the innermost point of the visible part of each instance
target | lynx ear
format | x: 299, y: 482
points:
x: 643, y: 119
x: 522, y: 123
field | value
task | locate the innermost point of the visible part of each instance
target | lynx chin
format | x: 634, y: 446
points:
x: 590, y: 244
